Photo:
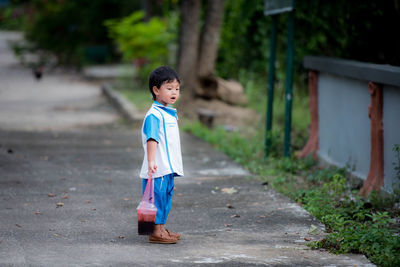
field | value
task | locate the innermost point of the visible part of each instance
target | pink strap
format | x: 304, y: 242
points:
x: 151, y: 188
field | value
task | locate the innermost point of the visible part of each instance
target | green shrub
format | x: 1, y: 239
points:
x: 12, y: 18
x: 73, y: 30
x: 146, y: 43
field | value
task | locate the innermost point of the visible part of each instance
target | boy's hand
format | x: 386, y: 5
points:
x: 152, y: 167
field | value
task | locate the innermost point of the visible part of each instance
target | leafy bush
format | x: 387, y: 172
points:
x: 12, y: 18
x: 147, y: 43
x: 73, y: 29
x: 353, y: 226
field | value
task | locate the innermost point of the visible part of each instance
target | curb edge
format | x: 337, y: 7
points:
x: 120, y: 103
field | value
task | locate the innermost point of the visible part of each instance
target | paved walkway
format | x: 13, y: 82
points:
x: 55, y: 102
x: 89, y: 163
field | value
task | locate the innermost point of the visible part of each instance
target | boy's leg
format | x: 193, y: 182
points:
x: 169, y: 184
x: 161, y: 202
x: 169, y: 191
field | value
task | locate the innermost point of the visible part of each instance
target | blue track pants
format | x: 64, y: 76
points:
x: 163, y: 190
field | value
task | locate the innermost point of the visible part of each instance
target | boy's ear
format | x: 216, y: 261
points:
x: 155, y: 90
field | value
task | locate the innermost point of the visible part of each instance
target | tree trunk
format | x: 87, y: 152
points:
x: 210, y: 37
x: 146, y: 6
x: 188, y: 46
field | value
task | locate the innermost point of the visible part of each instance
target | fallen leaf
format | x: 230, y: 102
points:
x: 37, y: 212
x: 65, y: 197
x: 314, y: 230
x: 228, y: 225
x: 179, y: 195
x: 18, y: 225
x: 229, y: 191
x: 235, y: 216
x: 229, y: 206
x: 216, y: 188
x: 121, y: 237
x: 127, y: 199
x: 307, y: 238
x: 262, y: 216
x: 51, y: 195
x: 60, y: 204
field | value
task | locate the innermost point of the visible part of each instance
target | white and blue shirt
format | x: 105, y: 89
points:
x: 161, y: 124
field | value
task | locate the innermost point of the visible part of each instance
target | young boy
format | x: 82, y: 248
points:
x: 162, y: 149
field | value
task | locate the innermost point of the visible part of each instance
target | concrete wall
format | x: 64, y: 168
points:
x: 391, y: 133
x: 344, y: 126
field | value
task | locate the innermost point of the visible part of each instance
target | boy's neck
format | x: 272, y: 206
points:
x: 158, y: 102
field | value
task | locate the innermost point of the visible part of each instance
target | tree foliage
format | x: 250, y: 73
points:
x: 137, y: 39
x: 67, y: 27
x: 358, y: 30
x: 146, y: 43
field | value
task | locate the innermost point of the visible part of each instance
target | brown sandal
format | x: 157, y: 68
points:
x: 173, y: 235
x: 162, y: 240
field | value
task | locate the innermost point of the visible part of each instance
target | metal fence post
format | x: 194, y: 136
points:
x: 271, y: 81
x: 289, y: 84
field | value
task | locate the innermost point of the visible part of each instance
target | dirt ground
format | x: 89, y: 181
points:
x: 235, y: 117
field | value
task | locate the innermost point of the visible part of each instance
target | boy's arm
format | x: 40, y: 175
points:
x: 151, y: 155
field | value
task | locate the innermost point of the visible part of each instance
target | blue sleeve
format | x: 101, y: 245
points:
x: 152, y: 128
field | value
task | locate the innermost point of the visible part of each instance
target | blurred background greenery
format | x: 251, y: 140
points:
x: 76, y: 32
x: 146, y: 34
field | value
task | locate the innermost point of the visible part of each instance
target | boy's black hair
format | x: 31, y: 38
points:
x: 161, y: 75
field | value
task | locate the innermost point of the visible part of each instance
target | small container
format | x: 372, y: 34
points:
x: 146, y: 213
x: 146, y: 210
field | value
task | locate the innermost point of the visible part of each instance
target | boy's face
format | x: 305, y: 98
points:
x: 168, y: 93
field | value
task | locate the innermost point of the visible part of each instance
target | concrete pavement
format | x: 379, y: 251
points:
x: 57, y: 101
x: 226, y: 217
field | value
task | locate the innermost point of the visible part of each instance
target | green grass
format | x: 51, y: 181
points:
x: 136, y: 92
